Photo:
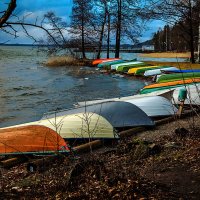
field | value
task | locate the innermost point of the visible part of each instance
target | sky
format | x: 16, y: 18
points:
x: 62, y: 8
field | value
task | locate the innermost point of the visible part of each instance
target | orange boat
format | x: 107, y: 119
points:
x: 30, y: 139
x: 97, y: 61
x: 172, y: 83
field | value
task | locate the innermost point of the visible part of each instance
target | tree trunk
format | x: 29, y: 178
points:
x: 7, y: 14
x: 199, y: 42
x: 192, y: 59
x: 82, y: 38
x: 108, y: 39
x: 118, y: 31
x: 101, y: 36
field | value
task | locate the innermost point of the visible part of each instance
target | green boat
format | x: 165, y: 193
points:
x: 106, y: 65
x: 125, y: 68
x: 149, y: 90
x: 177, y: 76
x: 141, y: 71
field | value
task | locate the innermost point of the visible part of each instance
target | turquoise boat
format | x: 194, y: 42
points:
x: 106, y: 65
x: 149, y: 90
x: 177, y: 76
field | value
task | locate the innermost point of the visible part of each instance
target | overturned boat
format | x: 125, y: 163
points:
x: 31, y: 139
x: 100, y: 121
x: 155, y: 72
x: 153, y: 106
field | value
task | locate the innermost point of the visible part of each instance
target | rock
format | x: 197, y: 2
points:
x: 154, y: 149
x: 172, y: 145
x: 181, y: 132
x: 16, y: 189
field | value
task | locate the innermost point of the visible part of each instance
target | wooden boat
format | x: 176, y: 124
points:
x: 97, y: 61
x: 127, y: 67
x: 177, y: 76
x: 115, y: 66
x: 30, y: 139
x: 168, y: 85
x: 154, y: 72
x: 153, y: 106
x: 141, y: 71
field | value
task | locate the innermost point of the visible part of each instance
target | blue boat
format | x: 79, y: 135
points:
x: 181, y: 71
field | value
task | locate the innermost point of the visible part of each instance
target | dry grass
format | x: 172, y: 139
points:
x: 60, y: 61
x: 166, y: 55
x: 66, y: 61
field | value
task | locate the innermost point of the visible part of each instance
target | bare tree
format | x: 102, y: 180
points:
x: 80, y: 24
x: 6, y: 14
x: 9, y: 23
x: 172, y: 11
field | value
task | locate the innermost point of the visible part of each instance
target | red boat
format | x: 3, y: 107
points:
x: 97, y: 61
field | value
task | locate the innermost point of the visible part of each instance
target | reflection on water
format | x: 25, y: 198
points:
x: 27, y: 89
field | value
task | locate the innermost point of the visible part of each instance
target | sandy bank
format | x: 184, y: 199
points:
x: 166, y: 55
x: 181, y: 65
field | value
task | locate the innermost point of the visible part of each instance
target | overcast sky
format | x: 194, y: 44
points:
x: 62, y: 8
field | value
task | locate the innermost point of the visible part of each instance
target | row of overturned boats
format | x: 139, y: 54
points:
x: 102, y: 119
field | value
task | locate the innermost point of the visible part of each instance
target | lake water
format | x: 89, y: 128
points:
x: 28, y: 89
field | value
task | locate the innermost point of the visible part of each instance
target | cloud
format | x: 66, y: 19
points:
x: 33, y: 9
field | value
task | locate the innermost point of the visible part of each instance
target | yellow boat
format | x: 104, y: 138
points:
x: 133, y: 70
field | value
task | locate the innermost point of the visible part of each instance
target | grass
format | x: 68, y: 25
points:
x: 67, y: 61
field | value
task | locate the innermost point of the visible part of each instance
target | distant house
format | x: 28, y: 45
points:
x: 148, y: 48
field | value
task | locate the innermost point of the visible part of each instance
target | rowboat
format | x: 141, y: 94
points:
x: 166, y: 94
x: 127, y: 67
x: 168, y: 85
x: 153, y: 106
x: 93, y: 121
x: 109, y: 63
x: 177, y: 76
x: 193, y: 94
x: 173, y: 83
x: 154, y: 72
x: 97, y: 61
x: 141, y: 71
x: 182, y: 71
x: 119, y: 114
x: 115, y: 66
x: 30, y: 139
x: 81, y: 125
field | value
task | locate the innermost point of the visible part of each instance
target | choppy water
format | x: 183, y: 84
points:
x: 28, y: 89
